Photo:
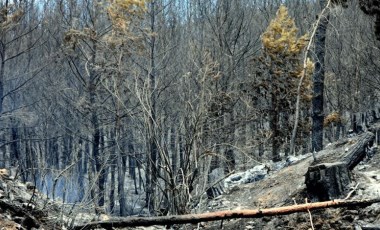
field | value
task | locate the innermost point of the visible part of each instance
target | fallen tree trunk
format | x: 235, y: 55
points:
x: 222, y: 215
x: 352, y: 155
x: 358, y: 151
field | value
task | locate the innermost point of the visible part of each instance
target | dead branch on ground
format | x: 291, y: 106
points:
x: 223, y: 215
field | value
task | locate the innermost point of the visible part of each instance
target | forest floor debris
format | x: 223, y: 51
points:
x: 286, y: 186
x: 23, y: 207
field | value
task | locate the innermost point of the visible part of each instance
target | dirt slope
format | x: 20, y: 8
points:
x: 287, y: 186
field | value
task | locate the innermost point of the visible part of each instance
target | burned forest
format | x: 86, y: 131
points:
x: 189, y: 114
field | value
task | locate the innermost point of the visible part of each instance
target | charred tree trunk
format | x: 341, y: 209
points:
x: 121, y: 185
x: 95, y: 147
x: 152, y: 172
x: 357, y: 153
x: 318, y: 82
x: 132, y: 165
x: 113, y: 170
x: 81, y: 171
x: 15, y: 151
x: 274, y: 126
x: 112, y: 186
x: 229, y: 152
x: 3, y: 50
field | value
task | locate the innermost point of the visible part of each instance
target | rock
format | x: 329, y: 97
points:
x: 361, y: 167
x: 257, y: 173
x: 30, y: 185
x: 103, y: 217
x: 4, y: 173
x: 28, y: 206
x: 348, y: 218
x: 357, y: 227
x: 290, y: 160
x: 254, y: 178
x: 371, y: 226
x: 3, y: 186
x: 236, y: 178
x: 275, y: 166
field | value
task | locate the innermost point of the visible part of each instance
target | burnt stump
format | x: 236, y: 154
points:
x: 327, y: 181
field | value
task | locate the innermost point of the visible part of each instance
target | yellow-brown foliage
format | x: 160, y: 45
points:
x: 333, y: 117
x: 71, y: 37
x: 285, y: 50
x: 307, y: 81
x: 285, y: 61
x: 121, y: 12
x: 9, y: 16
x: 280, y: 38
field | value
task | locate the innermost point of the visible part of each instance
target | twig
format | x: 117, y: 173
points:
x: 60, y: 174
x: 352, y: 191
x: 310, y: 217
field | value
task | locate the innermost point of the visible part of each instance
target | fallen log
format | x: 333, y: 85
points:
x: 222, y: 215
x: 352, y: 155
x: 358, y: 151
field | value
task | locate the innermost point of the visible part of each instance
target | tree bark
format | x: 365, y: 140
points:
x: 358, y: 151
x: 121, y: 185
x: 327, y: 181
x: 329, y: 177
x: 3, y: 50
x: 353, y: 155
x: 318, y: 82
x: 113, y: 172
x: 274, y: 126
x: 223, y: 215
x: 151, y: 173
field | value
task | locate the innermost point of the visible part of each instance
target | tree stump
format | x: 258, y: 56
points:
x: 327, y: 181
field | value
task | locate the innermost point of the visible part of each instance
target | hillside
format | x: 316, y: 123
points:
x: 284, y: 187
x: 287, y: 187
